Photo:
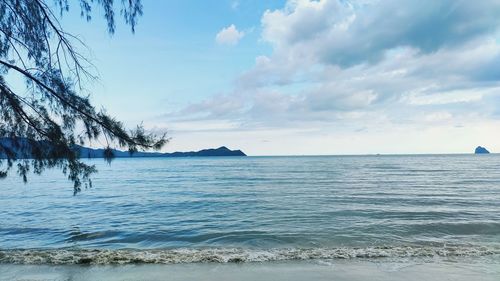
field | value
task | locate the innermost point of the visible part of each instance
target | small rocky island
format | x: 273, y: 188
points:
x: 481, y: 150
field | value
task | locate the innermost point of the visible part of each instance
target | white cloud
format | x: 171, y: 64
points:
x: 438, y: 116
x: 229, y: 35
x: 353, y: 32
x: 339, y: 68
x: 235, y: 4
x: 449, y: 97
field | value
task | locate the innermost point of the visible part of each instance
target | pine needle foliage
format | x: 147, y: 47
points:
x: 41, y: 125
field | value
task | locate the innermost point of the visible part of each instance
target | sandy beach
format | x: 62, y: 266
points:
x: 465, y: 269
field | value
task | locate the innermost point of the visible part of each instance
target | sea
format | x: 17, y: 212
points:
x: 374, y: 217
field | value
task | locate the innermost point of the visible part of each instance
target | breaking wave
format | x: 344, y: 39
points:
x: 229, y: 255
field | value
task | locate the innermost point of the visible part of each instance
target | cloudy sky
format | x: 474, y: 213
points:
x: 306, y: 77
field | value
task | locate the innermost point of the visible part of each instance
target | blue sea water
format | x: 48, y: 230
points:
x: 247, y: 209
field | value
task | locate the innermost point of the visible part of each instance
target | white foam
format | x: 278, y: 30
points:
x: 229, y: 255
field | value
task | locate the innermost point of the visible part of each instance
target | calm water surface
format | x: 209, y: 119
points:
x: 256, y: 209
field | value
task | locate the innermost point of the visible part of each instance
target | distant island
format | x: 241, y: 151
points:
x: 481, y: 150
x: 86, y: 152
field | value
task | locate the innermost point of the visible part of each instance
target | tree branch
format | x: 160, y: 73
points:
x: 69, y: 104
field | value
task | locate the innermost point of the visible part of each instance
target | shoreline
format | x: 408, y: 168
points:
x: 407, y: 269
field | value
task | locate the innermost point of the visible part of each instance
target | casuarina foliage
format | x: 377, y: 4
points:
x: 43, y: 120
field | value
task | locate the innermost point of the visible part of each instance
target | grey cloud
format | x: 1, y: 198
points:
x: 334, y: 32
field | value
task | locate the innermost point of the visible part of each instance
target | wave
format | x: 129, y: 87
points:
x: 229, y: 255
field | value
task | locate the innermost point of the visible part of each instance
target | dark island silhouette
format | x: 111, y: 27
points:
x: 481, y: 150
x: 86, y: 152
x: 22, y: 152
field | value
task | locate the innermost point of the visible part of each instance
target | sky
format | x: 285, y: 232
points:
x: 304, y: 77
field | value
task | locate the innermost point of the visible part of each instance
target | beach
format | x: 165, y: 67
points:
x: 326, y: 270
x: 249, y: 140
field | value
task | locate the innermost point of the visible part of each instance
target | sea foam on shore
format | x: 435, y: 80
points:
x: 232, y: 255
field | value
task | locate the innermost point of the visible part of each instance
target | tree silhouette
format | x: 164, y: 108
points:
x: 41, y: 125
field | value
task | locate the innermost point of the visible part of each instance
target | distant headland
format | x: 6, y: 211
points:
x: 86, y: 152
x: 481, y: 150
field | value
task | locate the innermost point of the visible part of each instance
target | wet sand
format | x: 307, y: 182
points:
x: 319, y: 270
